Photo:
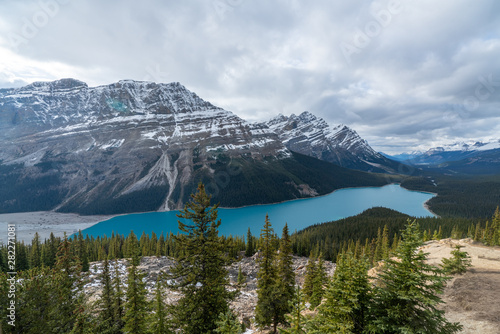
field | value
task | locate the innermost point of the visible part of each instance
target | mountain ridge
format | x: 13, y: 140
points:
x: 341, y: 145
x: 138, y: 146
x: 473, y: 157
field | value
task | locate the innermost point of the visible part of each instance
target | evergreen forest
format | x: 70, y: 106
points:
x: 51, y: 275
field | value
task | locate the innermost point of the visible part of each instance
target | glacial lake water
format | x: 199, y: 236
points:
x: 297, y: 213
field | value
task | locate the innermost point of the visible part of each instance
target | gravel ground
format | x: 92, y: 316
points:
x: 45, y: 222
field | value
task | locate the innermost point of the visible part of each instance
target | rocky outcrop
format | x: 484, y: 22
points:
x: 243, y: 306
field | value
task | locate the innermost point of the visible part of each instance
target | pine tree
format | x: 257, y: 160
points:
x: 378, y: 249
x: 34, y: 300
x: 227, y: 323
x: 406, y: 297
x: 249, y: 249
x: 159, y: 320
x: 106, y: 318
x: 118, y: 303
x: 309, y: 277
x: 286, y: 275
x: 22, y: 262
x: 84, y: 317
x: 456, y: 233
x: 160, y: 246
x: 319, y: 280
x: 136, y: 307
x: 385, y: 243
x: 36, y: 253
x: 295, y: 318
x: 241, y: 278
x: 267, y: 285
x: 395, y: 241
x: 132, y: 249
x: 457, y: 264
x: 426, y: 236
x: 49, y: 250
x: 347, y: 298
x: 82, y: 252
x: 68, y: 294
x: 495, y: 224
x: 200, y: 267
x: 3, y: 259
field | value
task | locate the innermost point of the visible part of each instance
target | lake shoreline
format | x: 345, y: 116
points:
x: 45, y: 222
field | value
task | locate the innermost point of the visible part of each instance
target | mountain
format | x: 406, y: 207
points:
x: 469, y: 158
x: 312, y: 136
x: 403, y: 156
x: 141, y: 146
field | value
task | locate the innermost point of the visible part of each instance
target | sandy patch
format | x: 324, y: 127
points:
x: 45, y: 222
x: 473, y: 299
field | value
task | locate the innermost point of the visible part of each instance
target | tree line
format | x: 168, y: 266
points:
x: 459, y: 196
x: 377, y: 230
x: 51, y: 297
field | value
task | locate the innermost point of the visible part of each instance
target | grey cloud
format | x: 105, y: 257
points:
x: 408, y: 84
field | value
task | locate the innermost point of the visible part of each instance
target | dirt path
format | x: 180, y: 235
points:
x: 473, y: 299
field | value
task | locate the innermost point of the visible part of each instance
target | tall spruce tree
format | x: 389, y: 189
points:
x: 36, y: 252
x: 81, y: 251
x: 309, y: 277
x: 34, y: 295
x: 160, y: 323
x: 68, y: 296
x: 249, y: 251
x: 295, y: 318
x: 319, y: 281
x: 286, y: 275
x: 347, y: 298
x: 118, y: 302
x: 106, y: 316
x: 269, y: 296
x: 200, y: 270
x: 136, y: 307
x: 495, y: 224
x: 407, y: 293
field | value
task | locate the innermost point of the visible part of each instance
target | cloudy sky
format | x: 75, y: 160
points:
x: 404, y: 74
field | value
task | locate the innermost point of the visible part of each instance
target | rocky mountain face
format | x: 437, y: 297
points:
x: 312, y: 136
x: 141, y: 146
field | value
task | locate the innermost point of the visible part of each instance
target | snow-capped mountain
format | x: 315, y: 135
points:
x: 474, y: 157
x: 472, y: 146
x: 137, y: 146
x: 311, y: 135
x: 453, y: 152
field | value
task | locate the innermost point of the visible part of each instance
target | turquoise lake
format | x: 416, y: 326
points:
x: 297, y: 213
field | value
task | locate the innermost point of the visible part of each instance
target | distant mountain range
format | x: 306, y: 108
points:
x: 468, y: 158
x: 142, y: 146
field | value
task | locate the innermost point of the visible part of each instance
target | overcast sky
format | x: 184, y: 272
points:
x: 404, y: 74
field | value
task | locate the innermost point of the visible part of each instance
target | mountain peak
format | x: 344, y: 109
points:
x: 57, y: 85
x: 311, y: 135
x: 307, y: 116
